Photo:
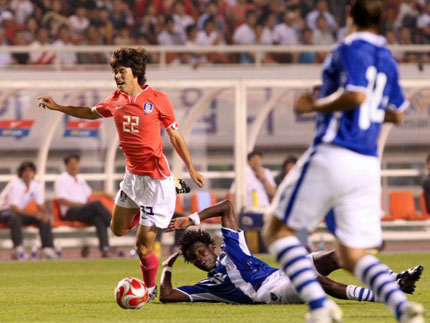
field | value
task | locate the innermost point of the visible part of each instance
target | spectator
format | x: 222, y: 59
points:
x: 408, y: 14
x: 405, y: 38
x: 307, y: 39
x: 5, y: 57
x: 285, y: 33
x: 121, y: 16
x: 392, y: 40
x: 170, y: 36
x: 23, y: 9
x: 105, y: 25
x: 24, y: 57
x: 79, y: 22
x: 42, y: 57
x: 212, y: 11
x: 245, y: 35
x: 149, y: 23
x: 73, y: 192
x: 426, y: 184
x: 260, y: 184
x: 268, y: 34
x: 31, y: 29
x: 14, y: 199
x: 322, y: 35
x: 124, y: 37
x: 423, y: 24
x: 93, y: 39
x: 321, y: 9
x: 287, y: 165
x: 182, y: 20
x: 9, y: 26
x: 211, y: 37
x: 238, y: 13
x: 65, y: 40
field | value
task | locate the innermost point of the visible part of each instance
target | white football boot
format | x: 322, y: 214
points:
x: 413, y: 313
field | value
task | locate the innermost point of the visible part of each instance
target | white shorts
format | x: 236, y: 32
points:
x: 156, y: 198
x: 278, y: 289
x: 338, y: 183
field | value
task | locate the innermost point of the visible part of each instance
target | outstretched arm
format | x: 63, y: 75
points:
x: 181, y: 148
x: 78, y: 112
x: 167, y: 293
x: 224, y: 209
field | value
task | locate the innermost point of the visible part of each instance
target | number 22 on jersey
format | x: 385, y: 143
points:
x: 369, y: 110
x: 130, y: 124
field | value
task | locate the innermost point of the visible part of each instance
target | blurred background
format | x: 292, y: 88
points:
x: 232, y: 69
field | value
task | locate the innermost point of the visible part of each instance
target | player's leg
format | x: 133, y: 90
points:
x: 357, y: 227
x: 149, y: 261
x: 125, y: 214
x: 292, y: 210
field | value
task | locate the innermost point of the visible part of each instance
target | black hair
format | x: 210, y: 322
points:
x: 288, y: 160
x: 254, y: 153
x: 367, y: 13
x: 24, y: 166
x: 70, y: 157
x: 192, y: 236
x: 135, y: 58
x: 190, y: 29
x: 249, y: 13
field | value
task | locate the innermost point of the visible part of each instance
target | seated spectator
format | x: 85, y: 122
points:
x: 322, y: 34
x: 66, y: 58
x: 287, y: 165
x: 405, y: 38
x: 238, y: 12
x: 307, y: 39
x: 267, y: 36
x: 391, y: 37
x: 182, y: 20
x: 42, y: 57
x: 170, y: 35
x: 286, y: 34
x: 14, y: 199
x: 5, y: 57
x: 423, y: 24
x: 92, y: 38
x: 260, y: 184
x: 73, y: 192
x: 22, y: 9
x: 212, y: 10
x: 408, y: 14
x: 426, y: 184
x: 20, y: 58
x: 79, y: 22
x: 245, y: 35
x: 210, y: 36
x: 321, y: 9
x: 31, y: 29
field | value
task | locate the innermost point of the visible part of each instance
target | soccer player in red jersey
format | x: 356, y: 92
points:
x: 148, y: 187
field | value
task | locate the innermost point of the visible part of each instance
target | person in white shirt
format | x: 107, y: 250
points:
x: 41, y: 57
x: 66, y: 58
x: 321, y: 9
x: 79, y: 22
x: 322, y: 34
x: 170, y: 35
x: 14, y: 199
x: 260, y: 183
x: 72, y: 192
x: 423, y: 23
x: 245, y: 35
x: 182, y: 20
x: 285, y: 33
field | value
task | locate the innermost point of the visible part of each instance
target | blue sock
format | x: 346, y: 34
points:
x: 296, y: 264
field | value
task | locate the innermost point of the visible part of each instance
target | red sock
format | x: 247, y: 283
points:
x: 149, y: 266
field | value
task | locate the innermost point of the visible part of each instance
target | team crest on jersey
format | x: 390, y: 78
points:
x: 148, y: 107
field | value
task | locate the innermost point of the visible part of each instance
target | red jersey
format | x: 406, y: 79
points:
x: 139, y: 120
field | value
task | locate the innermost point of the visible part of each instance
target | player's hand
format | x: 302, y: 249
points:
x: 179, y: 224
x: 197, y: 178
x: 171, y: 260
x: 47, y: 102
x: 305, y: 103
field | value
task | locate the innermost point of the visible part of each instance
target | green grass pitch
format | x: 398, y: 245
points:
x: 82, y: 291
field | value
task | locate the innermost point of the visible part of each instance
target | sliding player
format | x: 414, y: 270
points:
x: 236, y: 276
x: 148, y: 187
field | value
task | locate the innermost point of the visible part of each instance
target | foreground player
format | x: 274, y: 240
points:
x: 148, y: 187
x: 236, y: 276
x: 340, y: 173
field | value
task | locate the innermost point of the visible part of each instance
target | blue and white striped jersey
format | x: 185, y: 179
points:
x: 236, y: 278
x: 360, y: 63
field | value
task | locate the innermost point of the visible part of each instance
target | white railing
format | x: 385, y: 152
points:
x: 162, y: 51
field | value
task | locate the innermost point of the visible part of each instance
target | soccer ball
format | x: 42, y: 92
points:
x: 131, y: 293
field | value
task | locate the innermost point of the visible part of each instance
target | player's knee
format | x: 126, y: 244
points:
x: 117, y: 230
x: 143, y: 250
